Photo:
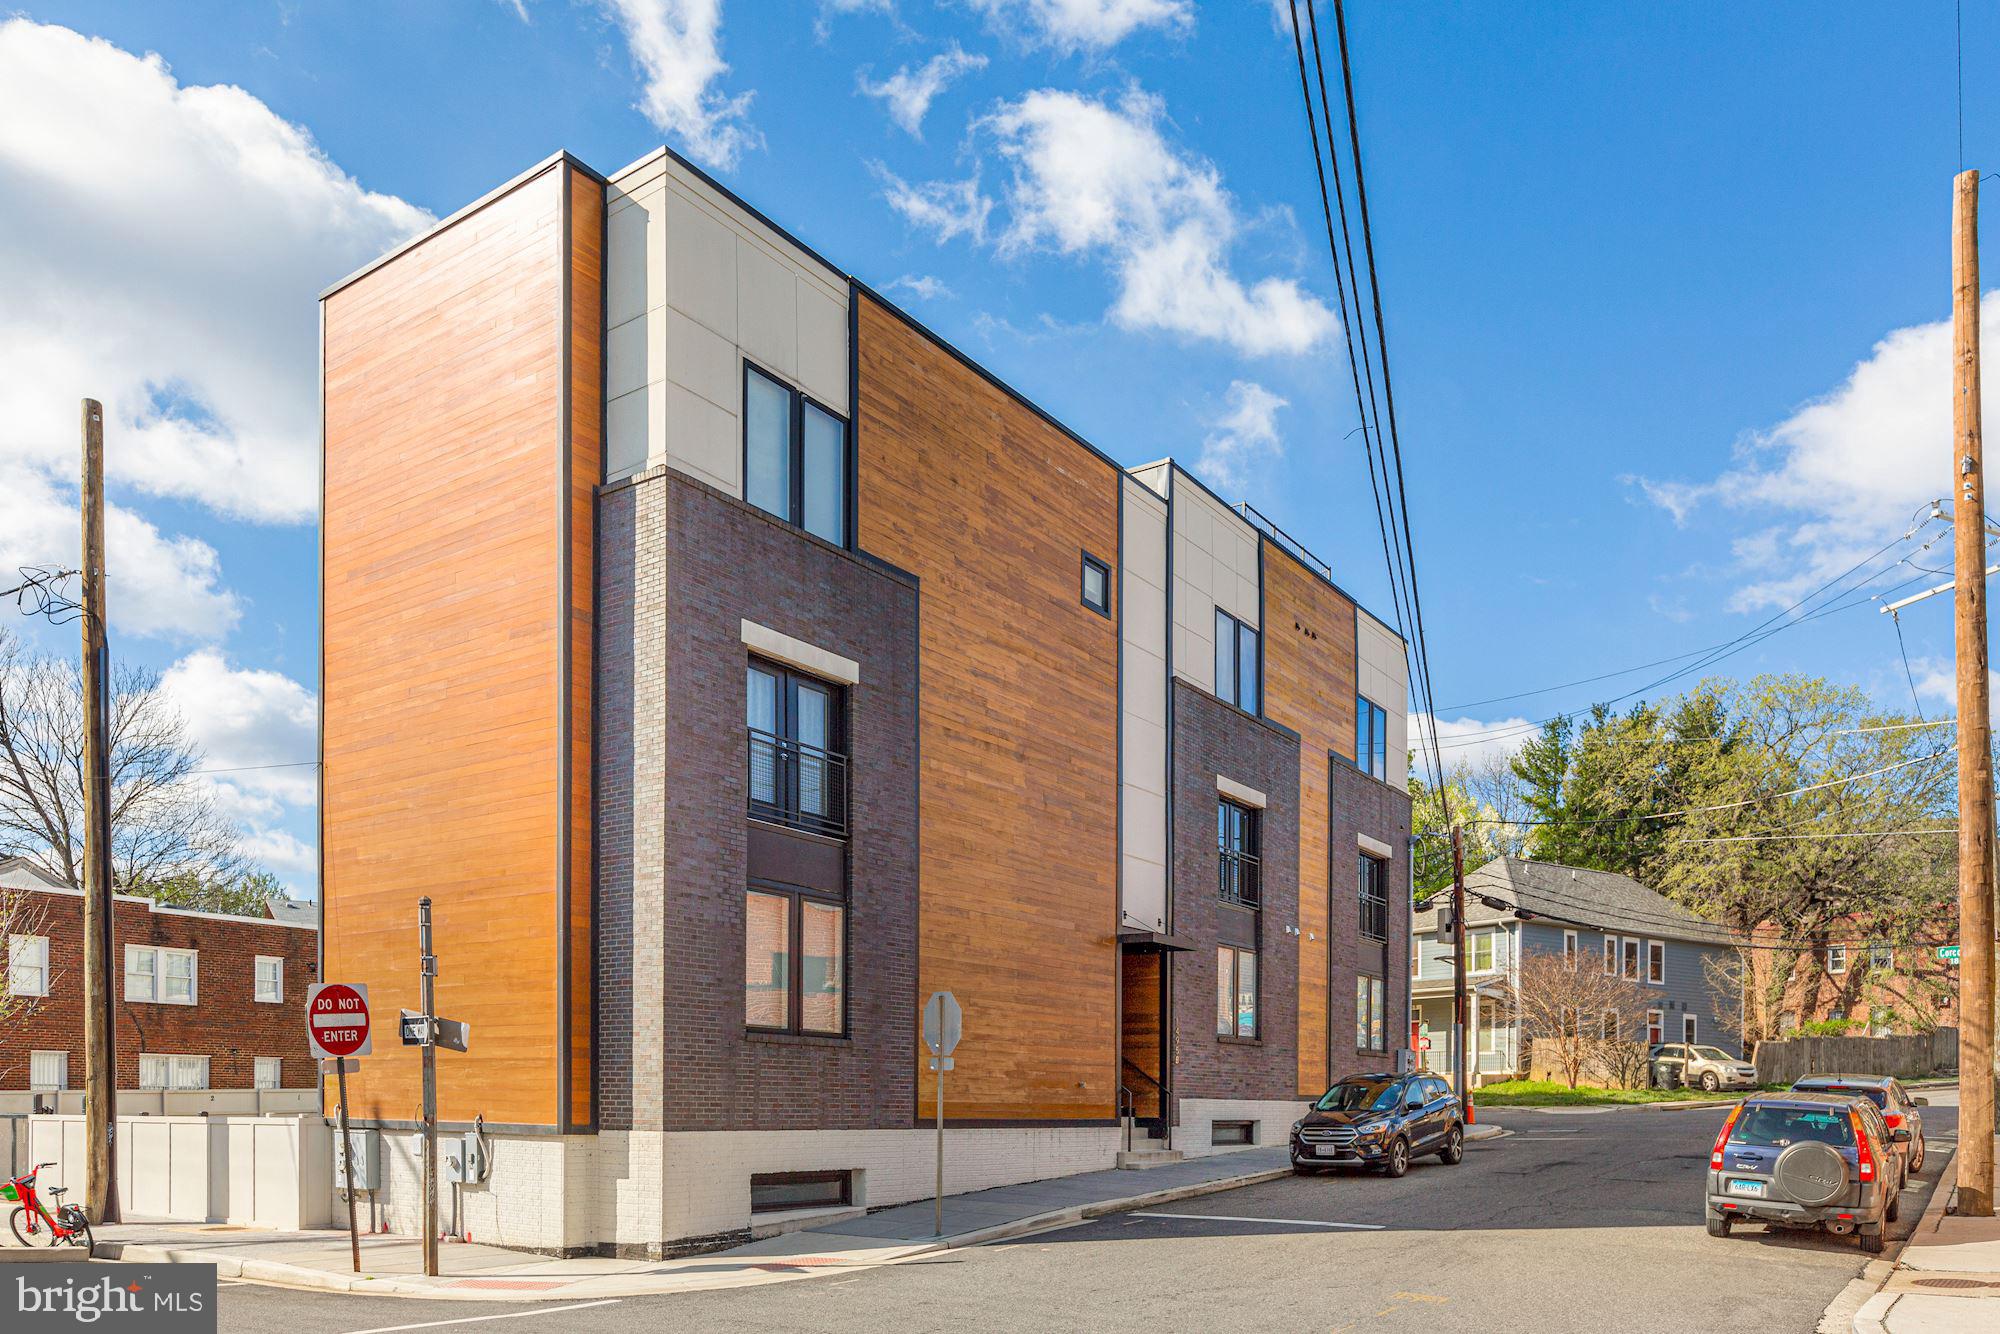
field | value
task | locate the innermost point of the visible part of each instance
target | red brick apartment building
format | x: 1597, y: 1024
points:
x: 734, y: 663
x: 205, y: 1001
x: 1876, y: 986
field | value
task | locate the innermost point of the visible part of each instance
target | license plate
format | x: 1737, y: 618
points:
x: 1746, y: 1188
x: 1326, y: 1150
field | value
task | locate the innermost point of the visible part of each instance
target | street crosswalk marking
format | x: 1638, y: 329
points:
x: 1289, y: 1222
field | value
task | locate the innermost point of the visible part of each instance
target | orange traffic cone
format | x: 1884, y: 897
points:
x: 1471, y: 1112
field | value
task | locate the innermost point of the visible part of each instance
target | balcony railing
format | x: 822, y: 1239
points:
x: 1374, y: 917
x: 796, y: 784
x: 1241, y: 879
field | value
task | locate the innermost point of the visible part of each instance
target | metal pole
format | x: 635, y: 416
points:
x: 938, y: 1063
x: 100, y: 1043
x: 1458, y: 964
x: 429, y: 1050
x: 1975, y: 735
x: 347, y: 1156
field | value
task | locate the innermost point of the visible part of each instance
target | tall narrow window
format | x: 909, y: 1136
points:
x: 1569, y: 950
x: 1656, y: 962
x: 28, y: 965
x: 1690, y: 1029
x: 794, y: 457
x: 1631, y: 959
x: 1096, y: 593
x: 1371, y: 737
x: 270, y: 980
x: 1370, y: 1018
x: 1239, y: 869
x: 1611, y: 956
x: 1238, y: 662
x: 767, y: 961
x: 1656, y: 1027
x: 798, y: 773
x: 1374, y: 898
x: 1235, y: 992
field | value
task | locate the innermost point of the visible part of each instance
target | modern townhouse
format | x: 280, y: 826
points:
x: 734, y: 663
x: 1515, y: 906
x: 209, y: 1006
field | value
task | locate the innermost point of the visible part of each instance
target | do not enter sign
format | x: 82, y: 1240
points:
x: 337, y: 1019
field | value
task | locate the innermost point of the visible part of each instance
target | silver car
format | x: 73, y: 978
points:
x: 1679, y: 1064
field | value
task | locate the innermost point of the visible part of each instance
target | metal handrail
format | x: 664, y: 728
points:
x: 1246, y: 884
x: 1284, y: 539
x: 797, y: 784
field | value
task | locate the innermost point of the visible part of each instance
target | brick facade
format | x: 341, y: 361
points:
x: 1363, y: 804
x: 1211, y: 740
x: 676, y: 983
x: 226, y: 1024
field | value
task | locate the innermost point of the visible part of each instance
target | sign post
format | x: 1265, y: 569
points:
x: 943, y: 1026
x: 337, y: 1029
x: 427, y: 964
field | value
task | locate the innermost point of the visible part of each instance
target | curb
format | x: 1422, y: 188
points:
x: 1872, y: 1316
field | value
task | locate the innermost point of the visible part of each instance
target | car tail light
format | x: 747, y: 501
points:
x: 1892, y: 1119
x: 1864, y: 1157
x: 1715, y: 1154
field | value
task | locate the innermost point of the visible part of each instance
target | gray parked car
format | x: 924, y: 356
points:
x: 1811, y: 1160
x: 1898, y: 1108
x: 1677, y: 1064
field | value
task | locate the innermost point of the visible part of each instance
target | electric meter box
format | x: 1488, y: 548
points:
x: 364, y: 1150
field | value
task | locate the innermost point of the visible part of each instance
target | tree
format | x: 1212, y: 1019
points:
x: 1564, y: 1007
x: 1486, y: 802
x: 244, y: 894
x: 164, y: 820
x: 1542, y: 766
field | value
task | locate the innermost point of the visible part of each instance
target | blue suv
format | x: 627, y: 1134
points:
x: 1811, y: 1160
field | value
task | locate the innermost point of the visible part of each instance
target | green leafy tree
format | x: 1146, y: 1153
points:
x: 244, y: 894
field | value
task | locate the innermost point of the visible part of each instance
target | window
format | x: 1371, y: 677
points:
x: 1631, y: 959
x: 1240, y: 873
x: 1237, y: 667
x: 1836, y: 959
x: 774, y: 1191
x: 1569, y: 950
x: 270, y: 980
x: 28, y: 965
x: 1656, y: 1027
x: 1371, y: 737
x: 1416, y: 956
x: 802, y: 989
x: 1689, y: 1029
x: 794, y: 457
x: 1480, y: 952
x: 1369, y: 1018
x: 163, y: 976
x: 1235, y: 992
x: 1608, y: 1026
x: 1096, y: 585
x: 798, y: 770
x: 270, y: 1073
x: 1491, y: 1037
x: 1881, y: 959
x: 48, y: 1071
x: 1232, y: 1132
x: 178, y: 1073
x: 1374, y: 898
x: 1611, y: 956
x: 1656, y: 962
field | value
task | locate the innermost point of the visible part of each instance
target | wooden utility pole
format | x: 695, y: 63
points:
x: 1458, y: 1005
x: 100, y: 1049
x: 1975, y: 734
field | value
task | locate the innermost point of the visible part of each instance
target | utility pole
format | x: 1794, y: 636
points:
x: 1975, y: 738
x: 100, y: 1046
x: 429, y: 984
x: 1458, y: 1005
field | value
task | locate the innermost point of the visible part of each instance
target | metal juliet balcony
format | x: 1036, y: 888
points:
x: 1241, y: 879
x: 792, y: 783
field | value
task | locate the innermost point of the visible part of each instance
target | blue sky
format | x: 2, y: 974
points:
x: 1662, y: 294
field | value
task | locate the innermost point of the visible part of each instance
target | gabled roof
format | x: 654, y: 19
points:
x: 1574, y: 897
x: 293, y: 912
x: 20, y: 873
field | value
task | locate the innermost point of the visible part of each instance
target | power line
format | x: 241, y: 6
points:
x: 1773, y: 838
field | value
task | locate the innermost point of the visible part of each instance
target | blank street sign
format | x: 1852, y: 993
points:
x: 943, y: 1023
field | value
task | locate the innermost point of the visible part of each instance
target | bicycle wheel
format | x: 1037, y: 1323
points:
x: 79, y: 1235
x: 18, y: 1221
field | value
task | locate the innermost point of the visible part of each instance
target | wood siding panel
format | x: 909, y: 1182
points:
x: 586, y: 466
x: 1309, y: 680
x: 444, y: 689
x: 991, y: 507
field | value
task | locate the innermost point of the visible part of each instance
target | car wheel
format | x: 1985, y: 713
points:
x: 1709, y: 1083
x: 1399, y: 1158
x: 1917, y: 1158
x: 1453, y: 1152
x: 1871, y: 1241
x: 1718, y: 1225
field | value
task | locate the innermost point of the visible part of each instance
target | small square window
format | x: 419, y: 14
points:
x: 1096, y: 585
x: 270, y: 1072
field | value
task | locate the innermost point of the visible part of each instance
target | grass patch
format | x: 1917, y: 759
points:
x: 1550, y: 1093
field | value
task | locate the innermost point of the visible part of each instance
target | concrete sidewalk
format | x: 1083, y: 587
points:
x: 1947, y: 1280
x: 391, y: 1265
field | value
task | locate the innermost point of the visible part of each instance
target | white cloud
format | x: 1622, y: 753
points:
x: 943, y: 208
x: 678, y: 45
x: 1098, y: 179
x: 909, y: 92
x: 920, y: 285
x: 1471, y: 741
x: 1085, y: 25
x: 161, y: 248
x: 1245, y: 435
x: 1849, y: 468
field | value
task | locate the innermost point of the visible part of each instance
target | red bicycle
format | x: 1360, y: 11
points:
x: 66, y: 1227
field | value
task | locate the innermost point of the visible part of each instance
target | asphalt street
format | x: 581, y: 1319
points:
x: 1575, y: 1221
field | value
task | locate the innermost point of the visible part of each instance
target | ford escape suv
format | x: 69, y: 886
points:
x: 1380, y: 1121
x: 1810, y: 1160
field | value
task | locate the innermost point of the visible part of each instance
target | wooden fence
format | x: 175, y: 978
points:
x: 1910, y: 1057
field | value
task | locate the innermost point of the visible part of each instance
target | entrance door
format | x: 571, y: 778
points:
x: 1141, y: 1001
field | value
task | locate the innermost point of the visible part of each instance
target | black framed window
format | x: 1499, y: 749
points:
x: 1370, y: 1014
x: 798, y: 761
x: 1240, y: 871
x: 1374, y: 891
x: 1371, y: 737
x: 1096, y: 585
x: 1239, y: 666
x: 794, y: 457
x: 774, y: 1191
x: 794, y: 960
x: 1235, y: 992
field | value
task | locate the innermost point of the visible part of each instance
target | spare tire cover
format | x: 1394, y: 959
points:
x: 1811, y: 1173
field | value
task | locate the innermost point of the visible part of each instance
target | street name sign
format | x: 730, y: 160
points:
x: 337, y: 1020
x: 1948, y: 953
x: 944, y: 1021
